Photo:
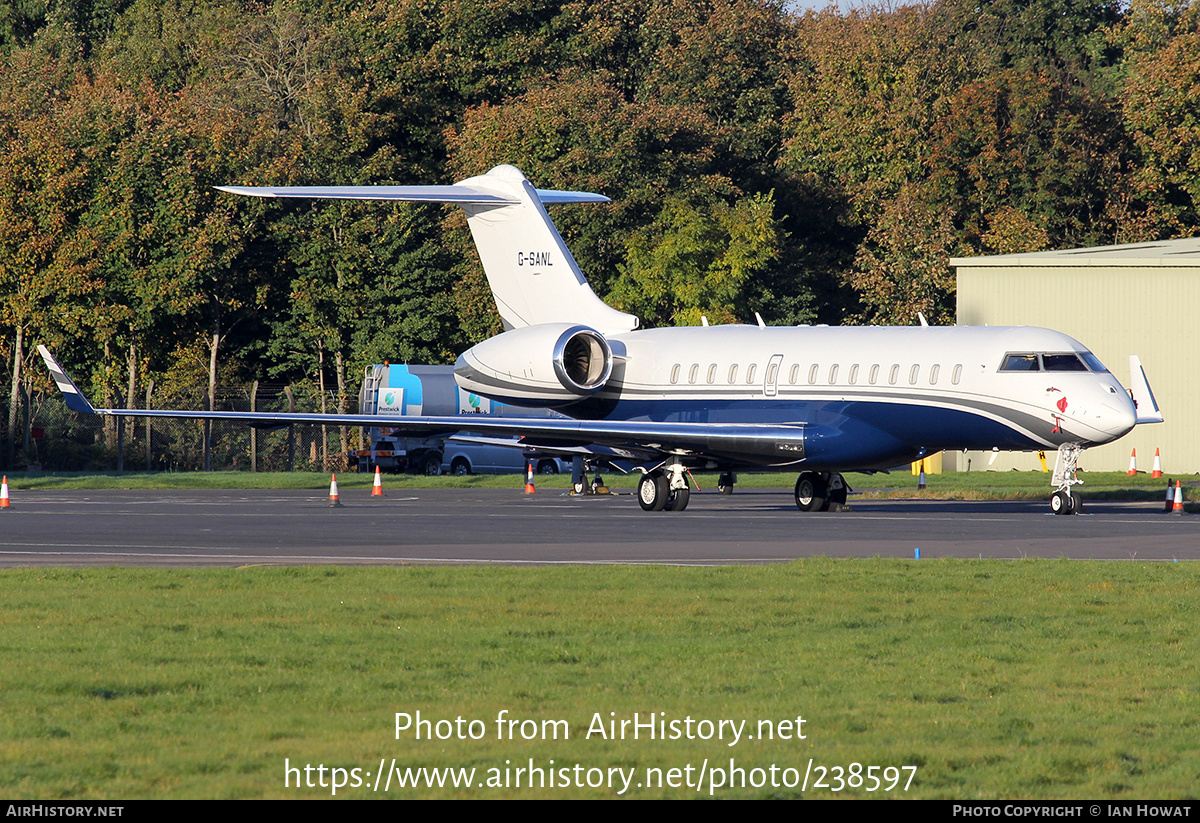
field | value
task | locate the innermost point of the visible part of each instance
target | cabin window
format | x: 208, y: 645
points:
x: 913, y: 374
x: 957, y: 375
x: 772, y: 373
x: 750, y: 373
x: 712, y: 373
x: 1020, y: 362
x: 692, y: 372
x: 894, y: 374
x: 933, y: 374
x: 675, y: 373
x: 733, y: 373
x: 1062, y: 362
x: 873, y: 377
x: 853, y: 374
x: 812, y: 374
x: 833, y: 370
x: 794, y: 374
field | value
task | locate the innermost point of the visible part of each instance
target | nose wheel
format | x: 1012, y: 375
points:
x: 1064, y: 503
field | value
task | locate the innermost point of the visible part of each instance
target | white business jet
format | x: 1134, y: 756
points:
x: 731, y: 398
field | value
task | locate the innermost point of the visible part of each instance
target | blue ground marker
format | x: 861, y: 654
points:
x: 916, y: 554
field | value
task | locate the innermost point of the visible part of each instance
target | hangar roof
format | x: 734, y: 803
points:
x: 1185, y: 252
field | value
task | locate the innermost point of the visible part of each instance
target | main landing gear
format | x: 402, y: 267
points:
x: 820, y: 491
x: 1065, y: 476
x: 664, y: 489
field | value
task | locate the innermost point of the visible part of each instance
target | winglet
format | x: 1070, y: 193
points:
x: 71, y: 393
x: 1143, y: 397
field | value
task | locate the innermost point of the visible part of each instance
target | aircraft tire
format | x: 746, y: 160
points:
x: 677, y: 500
x: 725, y: 484
x: 652, y: 491
x: 810, y: 492
x: 1060, y: 503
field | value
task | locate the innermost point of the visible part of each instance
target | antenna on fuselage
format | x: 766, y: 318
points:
x: 924, y: 322
x: 758, y: 317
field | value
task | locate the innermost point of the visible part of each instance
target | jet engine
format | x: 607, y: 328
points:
x: 543, y: 365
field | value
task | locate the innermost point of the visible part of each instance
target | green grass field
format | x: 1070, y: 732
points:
x: 1029, y: 679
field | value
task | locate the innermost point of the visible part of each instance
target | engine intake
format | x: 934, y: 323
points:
x: 582, y: 359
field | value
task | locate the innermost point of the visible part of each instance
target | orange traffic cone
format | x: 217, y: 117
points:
x: 4, y: 493
x: 333, y: 494
x: 1170, y: 501
x: 377, y: 489
x: 1132, y: 464
x: 529, y: 489
x: 1178, y: 507
x: 1157, y: 470
x: 921, y: 479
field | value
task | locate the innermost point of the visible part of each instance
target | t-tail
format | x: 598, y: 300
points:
x: 532, y: 275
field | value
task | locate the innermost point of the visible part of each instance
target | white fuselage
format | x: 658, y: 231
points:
x: 870, y: 395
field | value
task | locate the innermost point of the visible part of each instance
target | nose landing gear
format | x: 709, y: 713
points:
x: 1065, y: 476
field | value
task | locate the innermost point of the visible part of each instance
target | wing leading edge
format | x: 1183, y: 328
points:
x: 765, y: 444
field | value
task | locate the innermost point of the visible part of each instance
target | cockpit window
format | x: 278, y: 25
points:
x: 1093, y: 362
x: 1062, y: 362
x: 1020, y: 362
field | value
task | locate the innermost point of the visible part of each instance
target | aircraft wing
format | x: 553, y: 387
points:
x: 749, y: 443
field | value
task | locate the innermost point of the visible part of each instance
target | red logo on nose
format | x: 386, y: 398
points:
x: 1062, y: 404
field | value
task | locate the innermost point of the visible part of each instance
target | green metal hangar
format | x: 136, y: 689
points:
x: 1141, y: 299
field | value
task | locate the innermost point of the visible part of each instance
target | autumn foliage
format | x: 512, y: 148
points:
x: 812, y: 167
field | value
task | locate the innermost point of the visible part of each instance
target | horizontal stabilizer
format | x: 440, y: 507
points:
x: 458, y: 195
x: 532, y: 275
x: 1143, y: 397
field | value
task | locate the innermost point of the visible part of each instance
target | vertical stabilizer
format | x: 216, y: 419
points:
x: 530, y: 270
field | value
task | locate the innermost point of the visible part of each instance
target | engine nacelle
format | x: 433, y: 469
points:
x: 543, y: 365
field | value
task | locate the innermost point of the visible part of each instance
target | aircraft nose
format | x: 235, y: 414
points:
x: 1119, y: 417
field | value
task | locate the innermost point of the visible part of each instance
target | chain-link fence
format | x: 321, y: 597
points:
x: 62, y: 440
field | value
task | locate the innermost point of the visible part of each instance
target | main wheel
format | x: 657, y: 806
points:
x: 810, y: 492
x: 1060, y: 503
x: 677, y: 499
x: 652, y: 491
x: 725, y: 483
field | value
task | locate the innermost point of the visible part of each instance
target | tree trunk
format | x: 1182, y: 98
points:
x: 291, y: 429
x: 253, y: 430
x: 14, y: 397
x: 321, y: 384
x: 110, y: 422
x: 131, y: 364
x: 149, y: 445
x: 343, y: 399
x: 212, y: 393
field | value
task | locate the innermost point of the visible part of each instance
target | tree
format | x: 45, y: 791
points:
x: 697, y: 260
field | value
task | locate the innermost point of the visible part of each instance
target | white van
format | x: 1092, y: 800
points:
x: 461, y: 457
